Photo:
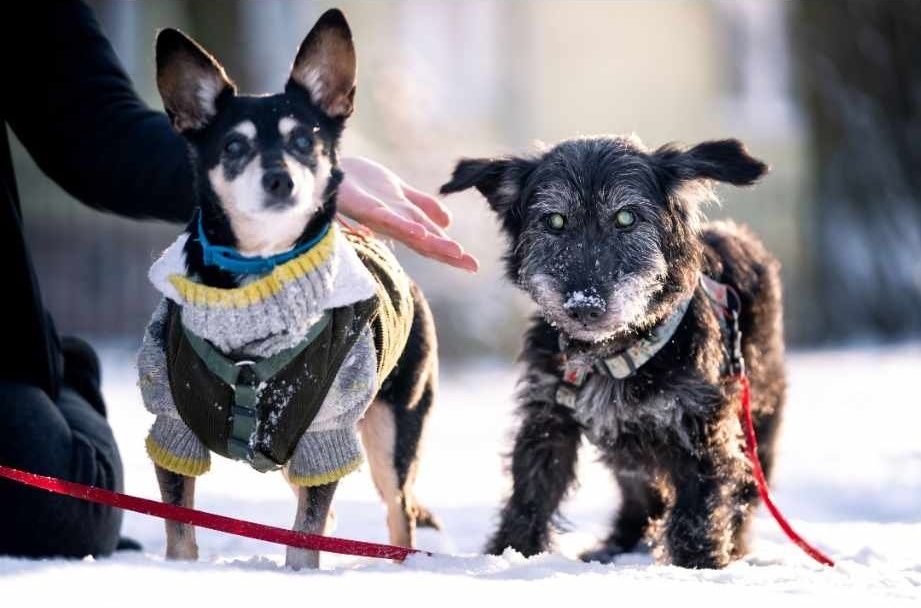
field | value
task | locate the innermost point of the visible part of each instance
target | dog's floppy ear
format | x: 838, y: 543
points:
x: 325, y: 65
x: 498, y: 179
x: 190, y: 80
x: 484, y: 174
x: 725, y: 160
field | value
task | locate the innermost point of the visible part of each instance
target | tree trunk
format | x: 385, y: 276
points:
x: 859, y: 76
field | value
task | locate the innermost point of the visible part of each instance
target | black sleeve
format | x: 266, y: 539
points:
x: 69, y: 101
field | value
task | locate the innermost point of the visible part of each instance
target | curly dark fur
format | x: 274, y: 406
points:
x: 670, y: 433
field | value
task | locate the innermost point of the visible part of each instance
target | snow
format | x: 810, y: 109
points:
x: 580, y: 298
x: 849, y: 478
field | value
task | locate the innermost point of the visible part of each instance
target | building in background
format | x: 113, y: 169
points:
x: 438, y: 80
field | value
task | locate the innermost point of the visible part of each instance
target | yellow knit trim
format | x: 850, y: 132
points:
x: 324, y: 478
x: 262, y: 289
x: 395, y: 309
x: 190, y: 467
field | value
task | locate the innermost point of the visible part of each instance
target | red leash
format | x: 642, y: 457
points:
x: 751, y: 448
x: 211, y: 521
x: 316, y: 542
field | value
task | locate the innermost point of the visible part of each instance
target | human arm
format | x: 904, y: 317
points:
x: 75, y: 110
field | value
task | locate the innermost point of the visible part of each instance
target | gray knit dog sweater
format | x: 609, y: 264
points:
x: 264, y: 316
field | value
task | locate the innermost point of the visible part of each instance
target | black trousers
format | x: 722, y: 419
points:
x: 67, y: 437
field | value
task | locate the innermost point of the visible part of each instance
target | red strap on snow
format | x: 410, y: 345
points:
x: 751, y: 448
x: 211, y: 521
x: 316, y: 542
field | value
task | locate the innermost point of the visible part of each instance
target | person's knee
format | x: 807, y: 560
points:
x: 68, y: 439
x: 14, y: 393
x: 33, y: 432
x: 94, y: 455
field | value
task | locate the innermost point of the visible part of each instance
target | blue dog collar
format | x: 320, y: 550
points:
x: 231, y: 260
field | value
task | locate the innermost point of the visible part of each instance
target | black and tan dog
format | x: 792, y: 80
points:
x: 631, y: 348
x: 281, y: 336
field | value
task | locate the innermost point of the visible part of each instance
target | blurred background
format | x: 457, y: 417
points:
x: 829, y: 93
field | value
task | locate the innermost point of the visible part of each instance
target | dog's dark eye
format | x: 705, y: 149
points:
x: 235, y: 147
x: 301, y: 142
x: 555, y: 221
x: 624, y: 218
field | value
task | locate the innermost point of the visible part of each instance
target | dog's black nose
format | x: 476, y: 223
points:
x: 585, y: 313
x: 278, y: 183
x: 585, y: 308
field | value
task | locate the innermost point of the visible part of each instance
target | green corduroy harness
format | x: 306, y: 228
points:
x: 244, y: 377
x: 257, y: 410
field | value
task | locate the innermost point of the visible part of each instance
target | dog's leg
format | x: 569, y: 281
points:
x: 406, y: 456
x: 745, y: 500
x: 641, y: 503
x: 410, y: 428
x: 543, y: 468
x: 178, y: 490
x: 393, y: 428
x: 379, y: 435
x: 313, y: 505
x: 698, y: 528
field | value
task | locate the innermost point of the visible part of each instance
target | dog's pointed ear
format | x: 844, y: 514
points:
x: 725, y: 160
x: 190, y: 80
x: 325, y: 65
x: 498, y: 179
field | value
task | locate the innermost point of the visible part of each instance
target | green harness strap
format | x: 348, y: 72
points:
x: 245, y: 377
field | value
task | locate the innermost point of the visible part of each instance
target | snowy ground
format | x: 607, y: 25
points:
x: 849, y: 477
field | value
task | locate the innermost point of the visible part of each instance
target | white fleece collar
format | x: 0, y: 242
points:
x: 270, y: 312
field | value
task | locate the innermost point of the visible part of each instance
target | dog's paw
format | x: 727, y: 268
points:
x: 700, y: 560
x: 302, y: 559
x: 526, y: 547
x: 182, y: 551
x: 608, y: 552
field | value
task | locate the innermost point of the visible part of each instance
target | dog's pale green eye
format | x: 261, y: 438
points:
x: 624, y: 218
x: 556, y: 221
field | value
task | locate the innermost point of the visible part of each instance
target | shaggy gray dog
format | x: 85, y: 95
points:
x: 629, y: 349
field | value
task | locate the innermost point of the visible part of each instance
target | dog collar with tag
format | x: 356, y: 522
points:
x: 620, y: 365
x: 624, y: 364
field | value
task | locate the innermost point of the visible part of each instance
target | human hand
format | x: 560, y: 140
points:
x: 376, y: 197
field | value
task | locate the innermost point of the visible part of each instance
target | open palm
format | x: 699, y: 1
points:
x: 376, y: 197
